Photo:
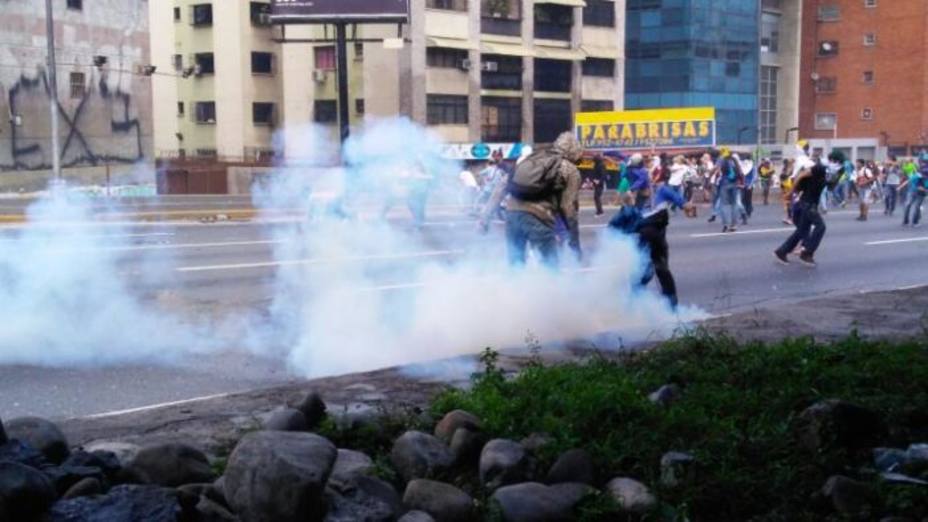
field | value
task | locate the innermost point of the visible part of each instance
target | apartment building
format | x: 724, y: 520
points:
x: 863, y: 77
x: 780, y: 38
x: 474, y: 71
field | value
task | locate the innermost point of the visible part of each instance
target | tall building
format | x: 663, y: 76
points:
x: 692, y: 53
x: 104, y: 86
x: 778, y: 105
x: 864, y: 78
x: 474, y: 71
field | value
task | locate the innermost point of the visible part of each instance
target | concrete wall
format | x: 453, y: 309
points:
x: 108, y: 119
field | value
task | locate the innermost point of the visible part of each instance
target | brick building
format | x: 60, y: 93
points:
x: 864, y: 76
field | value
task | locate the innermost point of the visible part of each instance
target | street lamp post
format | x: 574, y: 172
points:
x: 52, y: 87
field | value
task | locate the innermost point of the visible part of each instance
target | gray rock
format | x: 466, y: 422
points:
x: 631, y: 495
x: 122, y: 503
x: 420, y: 455
x: 833, y: 423
x: 3, y: 438
x: 503, y: 462
x: 279, y: 476
x: 172, y: 465
x: 287, y: 419
x: 65, y: 476
x: 367, y: 498
x: 209, y: 510
x: 466, y: 446
x: 889, y: 459
x: 42, y: 435
x: 534, y: 502
x: 848, y: 496
x: 571, y: 492
x: 575, y: 465
x: 108, y: 462
x: 349, y: 465
x: 22, y: 453
x: 536, y: 441
x: 84, y: 488
x: 358, y: 415
x: 455, y: 420
x: 677, y: 469
x: 916, y: 459
x: 313, y: 409
x: 124, y: 451
x: 665, y: 395
x: 217, y: 492
x: 416, y: 516
x: 444, y: 502
x: 25, y: 493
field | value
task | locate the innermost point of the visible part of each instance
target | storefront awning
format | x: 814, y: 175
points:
x: 571, y: 3
x: 450, y: 43
x: 556, y: 53
x: 505, y: 49
x: 596, y: 51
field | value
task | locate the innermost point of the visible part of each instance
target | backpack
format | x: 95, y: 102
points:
x: 538, y: 177
x: 627, y: 220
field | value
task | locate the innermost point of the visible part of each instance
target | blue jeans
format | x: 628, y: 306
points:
x: 728, y: 201
x: 524, y: 229
x: 892, y: 195
x: 810, y: 229
x: 915, y: 201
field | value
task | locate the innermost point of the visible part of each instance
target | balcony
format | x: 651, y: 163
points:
x: 501, y: 26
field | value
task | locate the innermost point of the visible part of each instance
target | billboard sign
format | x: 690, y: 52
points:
x: 647, y: 129
x: 481, y: 151
x: 332, y: 11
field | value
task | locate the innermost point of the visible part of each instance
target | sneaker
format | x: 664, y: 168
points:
x: 788, y: 222
x: 732, y: 229
x: 724, y: 229
x: 807, y: 260
x: 798, y: 251
x: 860, y: 218
x: 781, y: 258
x: 712, y: 219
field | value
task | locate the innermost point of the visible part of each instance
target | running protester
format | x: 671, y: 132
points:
x: 810, y: 227
x: 864, y: 182
x: 731, y: 181
x: 918, y: 189
x: 765, y: 173
x: 891, y: 186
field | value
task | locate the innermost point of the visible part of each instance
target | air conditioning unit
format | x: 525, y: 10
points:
x: 464, y: 64
x: 489, y: 66
x: 319, y: 75
x: 264, y: 18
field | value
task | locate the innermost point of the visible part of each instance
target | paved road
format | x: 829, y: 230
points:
x: 231, y: 266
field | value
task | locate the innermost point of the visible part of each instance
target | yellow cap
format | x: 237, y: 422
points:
x: 802, y: 143
x: 725, y: 152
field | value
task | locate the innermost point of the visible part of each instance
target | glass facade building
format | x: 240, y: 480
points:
x: 693, y: 53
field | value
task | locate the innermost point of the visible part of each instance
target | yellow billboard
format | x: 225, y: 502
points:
x: 646, y: 129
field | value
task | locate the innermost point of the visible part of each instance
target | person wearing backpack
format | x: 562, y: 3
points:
x: 544, y: 187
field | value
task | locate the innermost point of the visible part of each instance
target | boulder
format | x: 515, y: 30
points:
x: 503, y: 462
x: 84, y: 488
x: 209, y: 510
x: 466, y: 446
x: 287, y: 419
x: 349, y: 465
x: 574, y: 465
x: 42, y: 435
x: 217, y: 492
x: 279, y: 476
x: 631, y: 495
x: 25, y: 493
x: 172, y: 465
x: 22, y: 453
x: 416, y: 516
x: 834, y: 423
x: 444, y: 502
x: 65, y: 476
x: 124, y: 451
x: 677, y: 469
x: 453, y: 421
x: 107, y: 461
x: 572, y: 492
x: 313, y: 409
x: 534, y: 502
x: 3, y: 438
x: 848, y: 496
x: 127, y: 502
x: 536, y: 441
x: 665, y: 395
x: 916, y: 459
x: 889, y: 459
x: 419, y: 455
x: 366, y: 498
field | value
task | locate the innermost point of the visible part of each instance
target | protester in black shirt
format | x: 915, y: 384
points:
x: 599, y: 182
x: 810, y: 227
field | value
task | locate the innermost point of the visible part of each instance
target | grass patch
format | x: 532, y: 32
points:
x: 736, y: 415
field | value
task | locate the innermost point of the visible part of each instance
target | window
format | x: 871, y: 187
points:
x: 829, y: 13
x: 599, y: 13
x: 177, y: 14
x: 869, y: 3
x: 262, y: 113
x: 552, y: 117
x: 325, y: 111
x: 180, y: 108
x: 604, y: 67
x: 446, y: 110
x: 501, y: 72
x: 359, y: 106
x: 866, y: 114
x: 868, y: 77
x: 553, y: 22
x: 509, y: 9
x: 205, y: 112
x: 828, y: 48
x: 445, y: 58
x: 769, y: 80
x: 358, y: 51
x: 76, y: 4
x: 870, y: 39
x: 448, y: 5
x: 205, y: 62
x: 77, y: 85
x: 206, y: 153
x: 501, y: 119
x: 770, y: 33
x: 262, y: 63
x: 325, y: 57
x: 732, y: 69
x: 178, y: 62
x: 826, y: 84
x: 259, y: 12
x: 596, y: 105
x: 826, y: 121
x: 202, y: 15
x: 552, y: 75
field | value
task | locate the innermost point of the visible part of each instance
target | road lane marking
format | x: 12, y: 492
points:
x: 318, y: 261
x: 744, y: 232
x: 105, y: 236
x: 912, y: 287
x: 157, y: 406
x: 895, y: 241
x: 224, y: 244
